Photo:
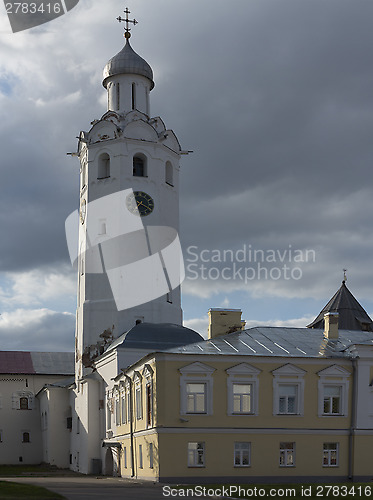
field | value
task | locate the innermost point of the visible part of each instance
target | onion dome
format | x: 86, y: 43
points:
x: 127, y: 62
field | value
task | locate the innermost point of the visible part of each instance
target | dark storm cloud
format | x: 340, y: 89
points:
x: 273, y: 96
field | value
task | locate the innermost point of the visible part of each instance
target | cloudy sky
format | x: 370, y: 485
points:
x: 275, y: 99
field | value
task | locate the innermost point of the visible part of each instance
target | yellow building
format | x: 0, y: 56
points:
x: 263, y: 404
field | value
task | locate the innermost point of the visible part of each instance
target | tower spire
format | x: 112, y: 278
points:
x: 344, y: 276
x: 127, y: 29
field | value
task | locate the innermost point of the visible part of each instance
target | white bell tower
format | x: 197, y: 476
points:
x: 129, y: 213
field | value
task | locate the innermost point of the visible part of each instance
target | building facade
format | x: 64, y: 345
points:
x: 264, y: 404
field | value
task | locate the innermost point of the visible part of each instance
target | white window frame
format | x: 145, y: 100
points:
x: 193, y: 396
x: 139, y: 406
x: 141, y: 458
x: 243, y: 374
x: 109, y: 410
x: 285, y: 452
x: 333, y: 376
x: 147, y: 374
x: 151, y: 456
x: 193, y: 454
x: 240, y: 450
x: 123, y: 406
x: 196, y: 373
x: 125, y: 457
x: 284, y: 376
x: 117, y: 412
x: 328, y: 452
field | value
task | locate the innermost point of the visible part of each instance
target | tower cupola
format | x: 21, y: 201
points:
x: 128, y: 78
x: 127, y: 62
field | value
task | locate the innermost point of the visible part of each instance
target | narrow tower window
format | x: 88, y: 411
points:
x: 103, y: 166
x: 139, y: 166
x: 118, y: 96
x: 134, y: 96
x: 169, y: 174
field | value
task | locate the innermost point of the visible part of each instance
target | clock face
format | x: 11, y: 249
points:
x: 83, y: 210
x: 140, y: 203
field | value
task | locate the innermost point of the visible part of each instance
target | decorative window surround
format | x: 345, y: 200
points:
x: 137, y: 379
x: 288, y: 375
x: 196, y: 373
x: 148, y: 377
x: 337, y: 377
x: 243, y: 374
x: 16, y: 400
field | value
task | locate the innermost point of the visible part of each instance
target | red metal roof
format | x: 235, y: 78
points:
x: 16, y: 362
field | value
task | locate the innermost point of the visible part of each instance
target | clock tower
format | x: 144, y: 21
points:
x: 130, y: 264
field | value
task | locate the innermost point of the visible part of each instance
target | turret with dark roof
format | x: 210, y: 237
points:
x: 352, y: 316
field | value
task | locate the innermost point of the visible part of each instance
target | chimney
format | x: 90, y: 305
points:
x: 224, y: 321
x: 331, y: 325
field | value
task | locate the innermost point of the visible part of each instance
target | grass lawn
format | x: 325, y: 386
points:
x: 294, y: 491
x: 27, y: 470
x: 17, y: 491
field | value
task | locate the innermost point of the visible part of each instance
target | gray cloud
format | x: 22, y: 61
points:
x: 274, y: 97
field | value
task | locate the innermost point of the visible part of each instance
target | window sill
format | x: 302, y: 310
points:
x: 287, y: 466
x: 196, y: 466
x: 330, y: 466
x: 101, y: 178
x: 242, y: 414
x: 288, y: 415
x: 242, y: 466
x: 169, y: 184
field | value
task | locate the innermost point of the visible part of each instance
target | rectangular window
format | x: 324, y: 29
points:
x: 125, y: 457
x: 151, y: 458
x: 138, y: 403
x: 124, y: 409
x: 149, y: 405
x: 129, y: 415
x: 140, y: 457
x: 78, y: 425
x: 108, y: 415
x: 1, y: 436
x: 117, y: 412
x: 196, y: 398
x: 332, y: 400
x: 242, y: 398
x: 288, y: 399
x: 241, y: 454
x: 287, y: 454
x: 330, y: 455
x: 196, y: 454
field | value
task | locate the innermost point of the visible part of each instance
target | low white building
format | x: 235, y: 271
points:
x: 22, y: 418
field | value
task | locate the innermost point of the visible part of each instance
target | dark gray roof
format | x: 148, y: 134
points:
x: 128, y: 62
x: 352, y: 316
x: 278, y: 341
x: 155, y: 336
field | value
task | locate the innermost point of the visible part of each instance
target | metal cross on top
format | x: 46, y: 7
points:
x: 127, y: 30
x: 344, y: 275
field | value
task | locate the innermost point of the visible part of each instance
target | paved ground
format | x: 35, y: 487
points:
x: 92, y: 488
